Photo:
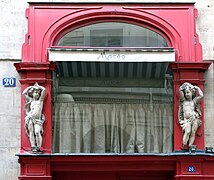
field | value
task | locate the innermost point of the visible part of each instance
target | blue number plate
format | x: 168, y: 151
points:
x: 191, y: 169
x: 9, y: 82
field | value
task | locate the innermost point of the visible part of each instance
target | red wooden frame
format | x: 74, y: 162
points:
x: 117, y: 167
x: 48, y: 22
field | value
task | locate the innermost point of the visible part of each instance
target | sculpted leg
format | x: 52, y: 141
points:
x: 38, y: 135
x: 185, y: 138
x: 193, y: 132
x: 31, y: 134
x: 186, y: 134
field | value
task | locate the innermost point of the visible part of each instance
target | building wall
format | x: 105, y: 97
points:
x: 13, y: 29
x: 10, y: 123
x: 205, y: 30
x: 12, y: 33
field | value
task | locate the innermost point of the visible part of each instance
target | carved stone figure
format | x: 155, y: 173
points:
x: 34, y: 96
x: 189, y: 111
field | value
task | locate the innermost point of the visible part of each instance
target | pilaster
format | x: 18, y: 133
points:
x: 194, y: 74
x: 42, y: 74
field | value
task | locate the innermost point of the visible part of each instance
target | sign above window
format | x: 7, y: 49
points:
x: 112, y: 55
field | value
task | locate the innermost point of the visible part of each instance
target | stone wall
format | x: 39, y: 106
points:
x: 205, y: 30
x: 205, y: 27
x: 13, y: 28
x: 10, y: 123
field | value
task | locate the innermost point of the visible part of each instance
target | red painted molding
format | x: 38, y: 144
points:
x: 167, y: 19
x: 190, y: 65
x: 35, y: 72
x: 35, y: 168
x: 70, y: 166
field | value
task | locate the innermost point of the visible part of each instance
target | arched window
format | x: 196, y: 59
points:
x: 113, y: 34
x: 116, y: 106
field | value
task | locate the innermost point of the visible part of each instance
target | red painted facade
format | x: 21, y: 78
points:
x: 47, y: 23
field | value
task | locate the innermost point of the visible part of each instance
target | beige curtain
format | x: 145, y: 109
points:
x: 112, y: 128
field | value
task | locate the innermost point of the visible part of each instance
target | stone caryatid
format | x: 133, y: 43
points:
x: 189, y: 112
x: 34, y: 96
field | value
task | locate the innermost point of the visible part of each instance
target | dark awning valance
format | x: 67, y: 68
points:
x: 121, y: 74
x: 138, y: 67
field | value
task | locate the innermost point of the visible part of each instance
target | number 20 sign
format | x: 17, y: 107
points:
x: 9, y: 82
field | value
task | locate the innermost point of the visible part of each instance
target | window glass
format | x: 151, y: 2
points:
x: 113, y: 34
x: 113, y: 108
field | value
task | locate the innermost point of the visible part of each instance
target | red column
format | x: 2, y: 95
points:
x: 194, y: 168
x: 42, y: 74
x: 194, y: 74
x: 35, y: 168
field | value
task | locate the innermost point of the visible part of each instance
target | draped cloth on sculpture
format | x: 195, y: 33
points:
x: 112, y: 128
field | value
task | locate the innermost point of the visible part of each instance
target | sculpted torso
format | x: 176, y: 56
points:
x: 36, y: 109
x: 188, y: 109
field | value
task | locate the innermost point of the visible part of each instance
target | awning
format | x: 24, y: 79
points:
x: 112, y: 70
x: 113, y: 74
x: 129, y: 68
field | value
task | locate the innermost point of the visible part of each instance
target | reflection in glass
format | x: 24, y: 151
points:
x: 113, y: 34
x: 113, y: 115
